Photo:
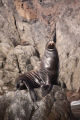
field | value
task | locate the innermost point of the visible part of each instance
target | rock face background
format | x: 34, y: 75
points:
x: 25, y: 28
x: 68, y: 44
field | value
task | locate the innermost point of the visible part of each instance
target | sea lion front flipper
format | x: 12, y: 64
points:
x: 33, y: 95
x: 47, y: 87
x: 31, y: 91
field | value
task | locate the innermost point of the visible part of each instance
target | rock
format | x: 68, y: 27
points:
x: 18, y: 61
x: 18, y: 105
x: 35, y: 61
x: 1, y: 74
x: 5, y: 101
x: 2, y: 63
x: 34, y: 34
x: 23, y: 8
x: 1, y: 4
x: 8, y: 32
x: 9, y: 37
x: 73, y: 95
x: 68, y: 45
x: 1, y: 83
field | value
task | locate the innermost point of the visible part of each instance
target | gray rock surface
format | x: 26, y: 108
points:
x: 18, y: 105
x: 68, y: 45
x: 17, y: 62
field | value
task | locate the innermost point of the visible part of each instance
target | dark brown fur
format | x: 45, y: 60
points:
x: 50, y: 62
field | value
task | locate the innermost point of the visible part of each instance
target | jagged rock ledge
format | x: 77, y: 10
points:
x: 18, y: 105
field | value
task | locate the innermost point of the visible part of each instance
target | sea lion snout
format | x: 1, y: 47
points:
x: 50, y: 45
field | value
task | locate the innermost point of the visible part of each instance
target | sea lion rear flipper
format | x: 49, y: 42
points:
x: 46, y: 89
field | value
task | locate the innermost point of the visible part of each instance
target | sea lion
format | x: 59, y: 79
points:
x: 29, y: 80
x: 50, y: 62
x: 45, y: 77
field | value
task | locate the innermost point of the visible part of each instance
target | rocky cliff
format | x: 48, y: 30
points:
x: 26, y: 26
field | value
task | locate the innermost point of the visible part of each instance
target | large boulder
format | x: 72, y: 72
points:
x: 18, y: 105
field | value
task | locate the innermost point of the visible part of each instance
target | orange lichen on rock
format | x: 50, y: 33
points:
x: 41, y: 10
x: 73, y: 95
x: 26, y: 9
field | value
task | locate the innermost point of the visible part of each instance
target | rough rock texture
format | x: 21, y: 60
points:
x: 18, y: 60
x: 18, y: 105
x: 68, y: 44
x: 73, y: 95
x: 31, y: 24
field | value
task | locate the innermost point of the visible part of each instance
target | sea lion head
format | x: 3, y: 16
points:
x: 50, y: 46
